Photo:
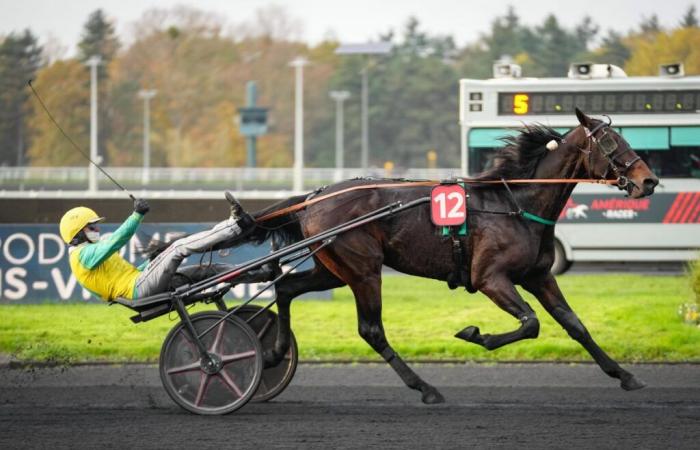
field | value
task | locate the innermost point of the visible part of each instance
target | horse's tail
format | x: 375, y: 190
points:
x: 283, y: 229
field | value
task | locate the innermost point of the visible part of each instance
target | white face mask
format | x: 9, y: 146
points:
x: 93, y: 236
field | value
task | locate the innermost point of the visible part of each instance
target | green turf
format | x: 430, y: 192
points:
x: 633, y: 317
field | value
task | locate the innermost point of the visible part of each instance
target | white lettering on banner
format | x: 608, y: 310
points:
x: 43, y: 258
x: 14, y: 278
x: 65, y: 289
x: 14, y: 259
x: 40, y: 285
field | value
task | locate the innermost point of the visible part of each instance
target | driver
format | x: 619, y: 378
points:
x: 98, y: 266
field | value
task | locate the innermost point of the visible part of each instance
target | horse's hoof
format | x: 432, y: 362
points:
x: 631, y: 383
x: 432, y: 396
x: 470, y: 334
x: 270, y: 359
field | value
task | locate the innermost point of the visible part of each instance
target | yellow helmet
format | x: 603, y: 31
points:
x: 75, y: 220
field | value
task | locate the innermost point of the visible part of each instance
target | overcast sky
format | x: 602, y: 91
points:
x: 349, y: 21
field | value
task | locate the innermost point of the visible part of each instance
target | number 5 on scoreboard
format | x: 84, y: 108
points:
x: 448, y: 205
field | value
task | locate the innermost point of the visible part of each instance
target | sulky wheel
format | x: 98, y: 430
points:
x: 274, y: 379
x: 223, y: 381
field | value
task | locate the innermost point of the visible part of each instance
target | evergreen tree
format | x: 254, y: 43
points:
x: 20, y: 58
x: 585, y: 32
x: 689, y: 19
x: 612, y: 50
x: 412, y: 107
x: 507, y: 38
x: 552, y: 56
x: 557, y: 47
x: 99, y: 39
x: 650, y: 25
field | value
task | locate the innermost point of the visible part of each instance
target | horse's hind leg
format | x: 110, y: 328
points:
x: 369, y: 314
x: 502, y: 292
x: 548, y: 293
x: 293, y: 285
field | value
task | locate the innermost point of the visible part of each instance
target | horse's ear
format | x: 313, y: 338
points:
x: 583, y: 119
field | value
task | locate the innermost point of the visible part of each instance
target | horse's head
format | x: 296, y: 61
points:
x: 608, y: 156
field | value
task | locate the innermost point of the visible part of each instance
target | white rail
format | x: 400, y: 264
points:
x: 164, y: 181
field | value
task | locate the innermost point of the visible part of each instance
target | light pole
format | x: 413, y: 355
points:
x: 147, y: 95
x: 339, y: 97
x: 372, y: 48
x: 364, y: 153
x: 93, y: 62
x: 298, y: 64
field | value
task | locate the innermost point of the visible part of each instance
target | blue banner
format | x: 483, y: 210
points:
x: 34, y: 264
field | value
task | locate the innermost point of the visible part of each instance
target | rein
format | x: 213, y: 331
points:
x: 525, y: 214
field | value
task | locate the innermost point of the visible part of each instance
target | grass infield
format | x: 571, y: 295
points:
x: 633, y: 317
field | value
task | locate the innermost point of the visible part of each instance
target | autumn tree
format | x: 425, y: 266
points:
x: 679, y: 45
x: 61, y: 86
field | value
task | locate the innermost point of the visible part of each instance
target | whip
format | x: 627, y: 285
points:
x: 82, y: 152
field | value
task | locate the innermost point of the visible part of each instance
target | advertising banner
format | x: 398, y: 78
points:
x: 681, y: 207
x: 34, y: 264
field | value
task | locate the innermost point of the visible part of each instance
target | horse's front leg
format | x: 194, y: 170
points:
x: 547, y: 292
x: 501, y: 290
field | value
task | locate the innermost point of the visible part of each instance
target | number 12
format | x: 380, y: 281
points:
x: 455, y: 212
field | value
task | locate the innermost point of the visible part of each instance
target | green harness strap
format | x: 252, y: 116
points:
x: 538, y: 219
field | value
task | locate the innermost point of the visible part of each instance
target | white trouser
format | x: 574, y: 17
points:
x: 157, y: 275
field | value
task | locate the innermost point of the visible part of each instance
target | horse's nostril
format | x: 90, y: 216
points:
x: 649, y: 185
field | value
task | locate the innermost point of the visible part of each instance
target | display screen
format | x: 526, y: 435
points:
x: 636, y: 102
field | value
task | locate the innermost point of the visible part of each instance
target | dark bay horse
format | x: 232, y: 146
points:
x: 506, y: 250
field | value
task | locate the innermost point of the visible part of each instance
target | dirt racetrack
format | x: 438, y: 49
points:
x: 360, y: 406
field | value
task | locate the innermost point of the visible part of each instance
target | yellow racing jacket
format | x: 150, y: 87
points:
x: 99, y: 267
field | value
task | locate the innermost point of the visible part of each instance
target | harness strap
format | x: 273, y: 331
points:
x: 524, y: 213
x: 538, y: 219
x: 455, y: 278
x: 317, y: 199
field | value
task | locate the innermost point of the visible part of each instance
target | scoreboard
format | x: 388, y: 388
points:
x: 601, y: 102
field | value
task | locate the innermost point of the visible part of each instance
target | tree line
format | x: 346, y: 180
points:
x: 200, y: 71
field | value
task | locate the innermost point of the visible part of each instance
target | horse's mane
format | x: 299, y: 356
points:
x: 521, y: 154
x: 277, y: 228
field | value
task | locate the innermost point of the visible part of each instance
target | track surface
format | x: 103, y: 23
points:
x: 356, y: 406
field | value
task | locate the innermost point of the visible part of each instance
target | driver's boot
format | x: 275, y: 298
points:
x: 244, y: 220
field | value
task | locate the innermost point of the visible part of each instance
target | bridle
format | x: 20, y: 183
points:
x: 609, y: 149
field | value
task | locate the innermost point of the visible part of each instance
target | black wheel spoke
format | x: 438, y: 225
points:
x: 265, y: 327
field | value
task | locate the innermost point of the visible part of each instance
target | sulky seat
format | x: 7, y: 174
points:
x: 157, y: 305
